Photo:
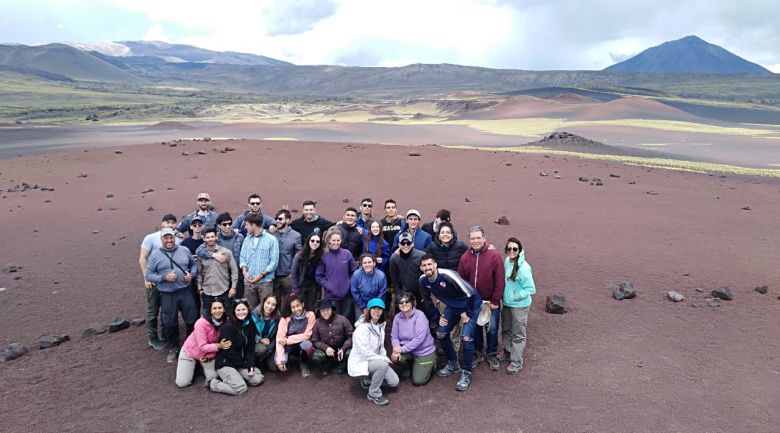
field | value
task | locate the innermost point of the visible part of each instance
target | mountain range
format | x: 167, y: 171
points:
x: 161, y: 64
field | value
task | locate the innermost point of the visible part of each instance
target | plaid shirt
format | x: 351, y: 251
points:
x: 260, y: 254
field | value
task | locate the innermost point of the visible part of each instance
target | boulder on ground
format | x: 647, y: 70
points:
x: 13, y: 351
x: 556, y: 304
x: 94, y: 329
x: 624, y: 290
x: 762, y: 289
x: 118, y: 324
x: 52, y: 340
x: 502, y: 221
x: 713, y: 302
x: 724, y: 293
x: 675, y: 296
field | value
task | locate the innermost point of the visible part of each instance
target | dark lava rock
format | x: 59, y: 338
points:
x: 150, y: 209
x: 138, y: 322
x: 762, y: 289
x: 583, y: 179
x: 229, y: 149
x: 468, y: 200
x: 746, y: 208
x: 556, y: 304
x: 624, y: 290
x: 502, y: 221
x: 599, y: 182
x: 13, y: 351
x: 185, y: 154
x: 614, y: 175
x: 94, y: 329
x: 109, y: 195
x: 346, y: 200
x: 147, y: 190
x: 543, y: 174
x: 118, y: 152
x: 118, y: 324
x: 12, y: 268
x: 724, y: 293
x: 52, y: 340
x: 200, y: 152
x: 414, y: 154
x: 651, y: 193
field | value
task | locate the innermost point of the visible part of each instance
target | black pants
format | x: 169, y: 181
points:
x: 173, y: 303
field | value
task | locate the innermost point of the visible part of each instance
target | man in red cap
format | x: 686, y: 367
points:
x: 204, y: 212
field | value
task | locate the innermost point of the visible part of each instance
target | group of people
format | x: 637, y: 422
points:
x: 255, y: 292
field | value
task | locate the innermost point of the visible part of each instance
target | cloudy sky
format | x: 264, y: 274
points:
x: 520, y: 34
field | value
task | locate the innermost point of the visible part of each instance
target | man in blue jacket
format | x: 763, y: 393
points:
x: 463, y: 304
x: 173, y: 268
x: 420, y: 239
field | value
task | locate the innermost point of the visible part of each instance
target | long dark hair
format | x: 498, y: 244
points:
x: 235, y: 321
x: 515, y: 261
x: 289, y: 299
x: 260, y: 309
x: 314, y: 256
x: 369, y: 236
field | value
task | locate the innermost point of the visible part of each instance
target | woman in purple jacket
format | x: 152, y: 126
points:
x: 412, y: 341
x: 334, y: 273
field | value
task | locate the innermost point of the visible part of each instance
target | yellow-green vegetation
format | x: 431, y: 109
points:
x: 671, y: 164
x: 540, y: 126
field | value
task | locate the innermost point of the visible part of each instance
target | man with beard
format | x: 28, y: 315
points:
x: 173, y: 268
x: 150, y: 243
x: 310, y: 221
x: 216, y: 281
x: 204, y: 212
x: 366, y: 207
x: 289, y: 245
x: 258, y: 260
x: 229, y: 239
x: 404, y: 268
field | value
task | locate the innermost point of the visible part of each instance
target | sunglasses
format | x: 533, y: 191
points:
x: 203, y: 199
x: 512, y: 249
x: 404, y: 302
x: 280, y: 218
x: 197, y: 225
x: 227, y: 224
x: 237, y: 301
x: 406, y: 243
x: 254, y: 203
x: 367, y: 205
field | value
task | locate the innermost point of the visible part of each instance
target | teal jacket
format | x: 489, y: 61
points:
x: 517, y: 294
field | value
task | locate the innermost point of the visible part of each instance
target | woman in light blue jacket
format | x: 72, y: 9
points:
x: 516, y: 303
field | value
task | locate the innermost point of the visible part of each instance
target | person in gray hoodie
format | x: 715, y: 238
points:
x: 173, y: 268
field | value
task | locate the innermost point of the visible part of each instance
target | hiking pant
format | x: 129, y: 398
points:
x: 171, y: 304
x: 255, y: 293
x: 513, y: 326
x: 185, y: 369
x: 234, y: 382
x: 152, y: 311
x: 379, y: 372
x: 422, y: 367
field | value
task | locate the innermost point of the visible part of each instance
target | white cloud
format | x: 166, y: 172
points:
x: 156, y: 33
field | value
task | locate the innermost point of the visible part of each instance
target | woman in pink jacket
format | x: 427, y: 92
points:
x: 202, y: 346
x: 294, y: 335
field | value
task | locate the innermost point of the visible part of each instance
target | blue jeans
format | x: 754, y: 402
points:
x: 492, y: 334
x: 467, y: 336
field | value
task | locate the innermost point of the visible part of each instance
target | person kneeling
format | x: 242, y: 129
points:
x: 202, y: 346
x: 235, y: 366
x: 294, y: 335
x: 413, y: 345
x: 332, y: 339
x: 368, y: 359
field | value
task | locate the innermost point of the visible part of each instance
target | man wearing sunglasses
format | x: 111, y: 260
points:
x: 289, y: 246
x: 204, y: 212
x: 258, y: 260
x: 404, y: 267
x: 310, y: 221
x: 255, y: 204
x: 366, y: 207
x: 228, y: 239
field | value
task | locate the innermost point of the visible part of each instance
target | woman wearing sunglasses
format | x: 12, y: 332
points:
x: 236, y: 365
x: 413, y: 346
x: 304, y: 268
x: 516, y: 304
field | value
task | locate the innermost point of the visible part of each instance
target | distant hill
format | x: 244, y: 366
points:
x: 690, y: 54
x: 61, y: 62
x: 178, y: 53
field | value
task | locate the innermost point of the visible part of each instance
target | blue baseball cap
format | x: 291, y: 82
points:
x: 376, y: 302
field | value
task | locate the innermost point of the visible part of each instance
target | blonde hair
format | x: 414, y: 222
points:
x: 329, y: 234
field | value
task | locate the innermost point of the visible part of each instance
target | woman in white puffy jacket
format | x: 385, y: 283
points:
x: 368, y: 359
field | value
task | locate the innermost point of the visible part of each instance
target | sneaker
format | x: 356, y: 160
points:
x: 514, y: 367
x: 157, y: 344
x: 478, y: 357
x: 379, y: 401
x: 493, y: 363
x: 173, y: 356
x: 305, y: 370
x: 365, y: 383
x: 451, y: 368
x: 464, y: 381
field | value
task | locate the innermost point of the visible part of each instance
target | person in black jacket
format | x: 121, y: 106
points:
x: 351, y: 234
x: 235, y: 366
x: 432, y: 228
x: 446, y: 249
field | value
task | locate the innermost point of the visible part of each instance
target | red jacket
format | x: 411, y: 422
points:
x: 485, y: 271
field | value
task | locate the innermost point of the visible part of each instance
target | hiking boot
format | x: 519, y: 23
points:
x: 451, y: 368
x: 464, y: 381
x: 305, y: 370
x: 478, y: 357
x: 379, y: 401
x: 493, y: 362
x: 514, y: 367
x: 173, y: 356
x: 157, y: 344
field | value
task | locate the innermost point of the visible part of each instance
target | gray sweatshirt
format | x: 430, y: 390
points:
x: 214, y: 278
x: 162, y: 262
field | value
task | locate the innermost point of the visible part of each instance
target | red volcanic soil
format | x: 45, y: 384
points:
x: 638, y: 365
